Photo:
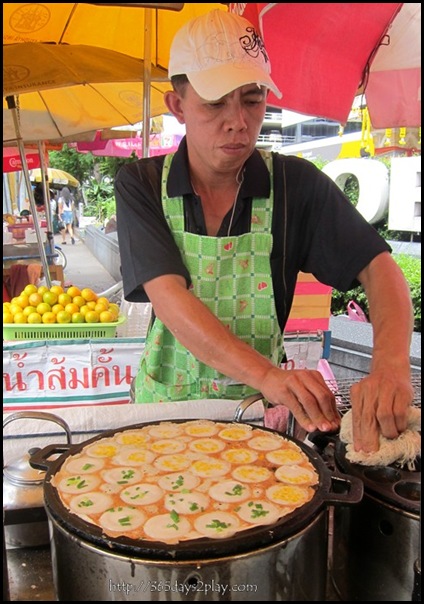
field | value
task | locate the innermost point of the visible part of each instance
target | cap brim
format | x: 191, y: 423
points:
x: 213, y: 84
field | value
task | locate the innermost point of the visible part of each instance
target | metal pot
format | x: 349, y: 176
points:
x: 376, y: 544
x: 380, y: 539
x: 25, y: 518
x: 263, y: 563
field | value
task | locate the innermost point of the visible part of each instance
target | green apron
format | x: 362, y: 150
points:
x: 232, y: 277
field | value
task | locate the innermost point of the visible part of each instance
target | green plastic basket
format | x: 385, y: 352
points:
x: 60, y: 331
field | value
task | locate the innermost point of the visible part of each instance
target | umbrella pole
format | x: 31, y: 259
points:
x: 11, y: 104
x: 147, y: 73
x: 46, y: 194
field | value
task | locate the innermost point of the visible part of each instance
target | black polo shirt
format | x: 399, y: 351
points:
x: 315, y: 229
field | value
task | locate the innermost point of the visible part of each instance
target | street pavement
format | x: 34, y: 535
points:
x: 83, y: 269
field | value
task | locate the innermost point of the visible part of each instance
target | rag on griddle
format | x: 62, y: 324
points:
x: 404, y: 449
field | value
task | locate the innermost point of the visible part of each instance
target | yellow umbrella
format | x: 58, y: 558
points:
x: 55, y: 177
x: 118, y: 27
x: 66, y: 90
x: 143, y: 31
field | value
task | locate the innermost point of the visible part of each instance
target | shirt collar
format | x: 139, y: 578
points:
x: 256, y: 181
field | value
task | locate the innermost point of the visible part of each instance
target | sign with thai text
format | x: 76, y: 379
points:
x: 53, y: 374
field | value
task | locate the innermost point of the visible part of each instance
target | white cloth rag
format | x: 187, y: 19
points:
x: 404, y: 449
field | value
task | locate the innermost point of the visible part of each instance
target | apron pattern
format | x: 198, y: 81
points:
x: 232, y: 277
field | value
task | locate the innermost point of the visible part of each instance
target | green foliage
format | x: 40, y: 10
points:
x: 96, y: 176
x: 411, y: 268
x: 110, y: 165
x: 351, y: 190
x: 100, y: 199
x: 319, y: 162
x: 80, y: 165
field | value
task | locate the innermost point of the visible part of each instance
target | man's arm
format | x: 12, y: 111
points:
x: 304, y: 392
x: 381, y: 400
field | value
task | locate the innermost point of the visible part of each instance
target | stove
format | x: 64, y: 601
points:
x: 375, y: 546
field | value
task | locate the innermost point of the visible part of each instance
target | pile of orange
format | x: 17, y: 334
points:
x: 57, y: 305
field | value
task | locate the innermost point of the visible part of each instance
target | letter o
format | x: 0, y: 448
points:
x: 373, y: 180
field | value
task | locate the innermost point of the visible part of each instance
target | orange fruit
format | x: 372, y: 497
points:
x: 115, y: 307
x: 100, y: 307
x: 84, y: 310
x: 73, y: 291
x: 103, y: 300
x: 88, y: 294
x: 48, y: 317
x: 19, y: 317
x: 106, y: 317
x: 57, y: 308
x: 92, y: 304
x: 43, y: 289
x: 50, y: 298
x: 71, y: 308
x: 78, y: 300
x: 6, y: 305
x: 64, y: 299
x: 34, y: 317
x: 114, y: 311
x: 43, y: 307
x: 63, y: 316
x: 15, y: 308
x: 35, y: 298
x: 92, y: 316
x: 57, y: 289
x: 22, y: 300
x: 78, y: 317
x: 28, y: 310
x: 7, y: 317
x: 29, y: 289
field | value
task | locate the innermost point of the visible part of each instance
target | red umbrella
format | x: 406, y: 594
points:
x: 12, y: 161
x: 124, y: 147
x: 323, y: 53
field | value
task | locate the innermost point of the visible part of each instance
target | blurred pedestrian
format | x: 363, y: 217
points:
x: 66, y: 214
x: 57, y: 224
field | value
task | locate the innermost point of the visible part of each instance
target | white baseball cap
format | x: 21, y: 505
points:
x: 219, y: 52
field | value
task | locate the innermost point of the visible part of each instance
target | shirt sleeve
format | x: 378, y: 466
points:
x: 147, y: 247
x: 330, y: 238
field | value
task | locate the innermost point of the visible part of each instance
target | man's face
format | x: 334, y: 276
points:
x: 222, y: 134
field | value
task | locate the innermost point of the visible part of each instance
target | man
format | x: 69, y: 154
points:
x: 214, y: 237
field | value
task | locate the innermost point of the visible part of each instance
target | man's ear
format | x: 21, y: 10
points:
x: 173, y: 102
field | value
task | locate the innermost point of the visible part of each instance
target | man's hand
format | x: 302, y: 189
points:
x: 306, y: 395
x: 381, y: 400
x: 380, y: 404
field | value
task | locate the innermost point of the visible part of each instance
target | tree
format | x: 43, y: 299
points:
x: 80, y: 165
x: 84, y: 165
x: 96, y: 175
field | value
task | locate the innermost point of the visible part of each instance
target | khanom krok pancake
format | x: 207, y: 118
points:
x: 173, y: 482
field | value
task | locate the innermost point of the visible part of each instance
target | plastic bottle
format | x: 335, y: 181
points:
x: 137, y: 319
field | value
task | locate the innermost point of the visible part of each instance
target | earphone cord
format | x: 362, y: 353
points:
x: 239, y: 179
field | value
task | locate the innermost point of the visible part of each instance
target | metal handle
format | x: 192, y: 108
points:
x: 40, y: 415
x: 344, y: 489
x: 43, y: 416
x: 40, y: 458
x: 241, y: 408
x: 416, y: 592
